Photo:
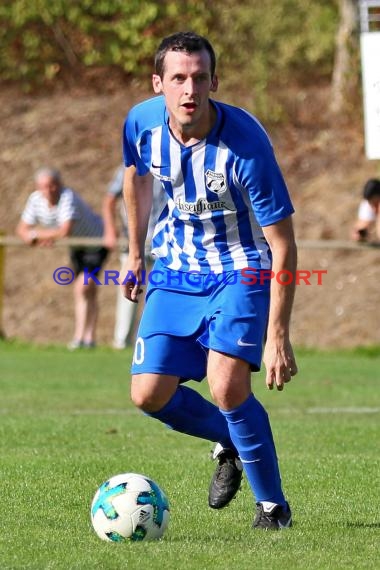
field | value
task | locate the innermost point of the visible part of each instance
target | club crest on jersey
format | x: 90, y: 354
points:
x: 215, y: 182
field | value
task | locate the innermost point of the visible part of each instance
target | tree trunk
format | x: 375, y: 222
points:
x: 343, y: 72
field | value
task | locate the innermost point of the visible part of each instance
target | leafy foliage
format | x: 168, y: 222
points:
x: 277, y: 40
x: 41, y: 40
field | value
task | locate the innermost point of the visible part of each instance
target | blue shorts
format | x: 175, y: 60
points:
x: 188, y: 313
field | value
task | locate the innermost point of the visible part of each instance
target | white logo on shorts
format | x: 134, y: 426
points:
x: 139, y: 353
x: 242, y: 343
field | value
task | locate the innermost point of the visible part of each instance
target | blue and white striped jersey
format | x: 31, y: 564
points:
x: 221, y: 191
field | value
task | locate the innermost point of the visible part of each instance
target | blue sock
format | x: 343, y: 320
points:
x: 251, y: 433
x: 188, y: 412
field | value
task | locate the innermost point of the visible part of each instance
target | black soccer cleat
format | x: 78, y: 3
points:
x: 226, y: 480
x: 275, y: 518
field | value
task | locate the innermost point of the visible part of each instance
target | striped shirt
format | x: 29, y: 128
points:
x: 221, y: 191
x: 69, y: 207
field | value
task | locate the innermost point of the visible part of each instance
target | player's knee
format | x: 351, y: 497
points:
x: 144, y: 398
x: 141, y: 399
x: 228, y: 397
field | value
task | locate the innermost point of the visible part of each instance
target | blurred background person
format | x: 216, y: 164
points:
x: 126, y: 312
x: 368, y: 221
x: 53, y: 212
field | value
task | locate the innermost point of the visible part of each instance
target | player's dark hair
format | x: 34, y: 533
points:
x: 371, y: 189
x: 188, y: 42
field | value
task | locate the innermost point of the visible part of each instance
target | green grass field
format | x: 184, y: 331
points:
x: 67, y: 424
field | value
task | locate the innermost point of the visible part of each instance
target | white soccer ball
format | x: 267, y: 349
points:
x: 129, y: 507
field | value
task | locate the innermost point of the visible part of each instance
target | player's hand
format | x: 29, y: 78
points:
x: 280, y: 363
x: 132, y: 279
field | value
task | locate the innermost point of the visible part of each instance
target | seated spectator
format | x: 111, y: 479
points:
x: 369, y: 212
x: 52, y: 212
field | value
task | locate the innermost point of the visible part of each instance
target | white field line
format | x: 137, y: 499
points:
x: 348, y: 410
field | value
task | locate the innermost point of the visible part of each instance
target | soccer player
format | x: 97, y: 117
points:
x: 228, y: 209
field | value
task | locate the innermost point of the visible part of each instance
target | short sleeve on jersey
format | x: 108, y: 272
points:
x: 268, y: 193
x: 130, y: 152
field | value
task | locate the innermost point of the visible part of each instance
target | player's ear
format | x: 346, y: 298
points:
x: 214, y: 84
x: 157, y: 83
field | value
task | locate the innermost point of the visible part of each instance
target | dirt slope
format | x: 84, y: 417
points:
x: 80, y: 132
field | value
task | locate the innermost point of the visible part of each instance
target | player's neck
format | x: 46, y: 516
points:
x: 189, y: 135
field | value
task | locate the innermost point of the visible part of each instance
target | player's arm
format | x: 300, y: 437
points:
x: 138, y: 197
x: 109, y: 219
x: 278, y: 354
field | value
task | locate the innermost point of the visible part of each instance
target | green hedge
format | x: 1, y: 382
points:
x: 258, y: 43
x: 40, y: 38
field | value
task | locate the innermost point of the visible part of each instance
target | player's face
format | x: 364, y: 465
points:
x: 186, y: 85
